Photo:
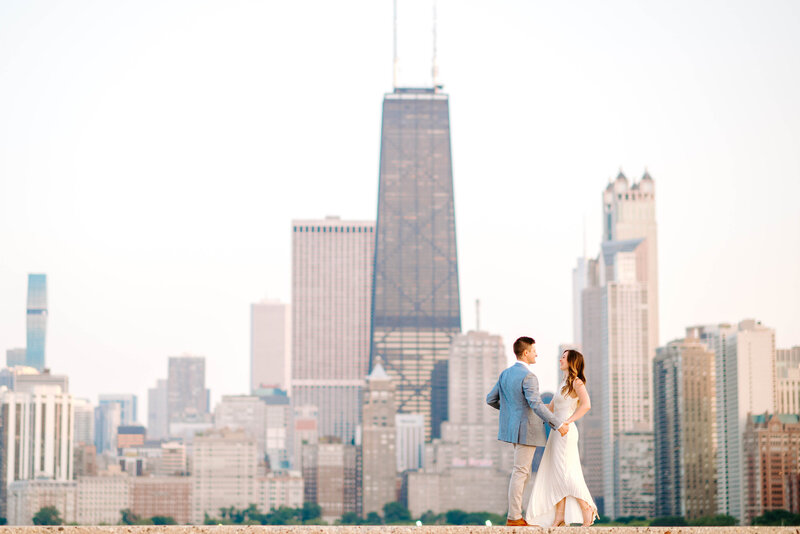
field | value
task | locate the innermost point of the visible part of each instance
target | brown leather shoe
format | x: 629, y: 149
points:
x: 516, y: 522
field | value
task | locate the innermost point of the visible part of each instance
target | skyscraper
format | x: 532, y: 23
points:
x: 476, y: 361
x: 15, y: 357
x: 331, y: 277
x: 771, y: 445
x: 37, y: 321
x: 36, y: 437
x: 270, y: 345
x: 158, y: 410
x: 127, y: 404
x: 684, y: 421
x: 787, y: 374
x: 745, y: 384
x: 415, y: 301
x: 378, y: 442
x: 187, y: 396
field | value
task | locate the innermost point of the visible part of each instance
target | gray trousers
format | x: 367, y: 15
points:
x: 521, y: 474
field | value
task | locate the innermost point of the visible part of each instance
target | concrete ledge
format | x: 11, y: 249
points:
x: 346, y: 529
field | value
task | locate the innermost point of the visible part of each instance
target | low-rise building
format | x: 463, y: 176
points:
x: 100, y: 499
x: 283, y: 488
x: 162, y: 496
x: 472, y: 489
x: 26, y: 497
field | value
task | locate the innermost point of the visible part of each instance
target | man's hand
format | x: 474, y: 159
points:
x: 563, y: 429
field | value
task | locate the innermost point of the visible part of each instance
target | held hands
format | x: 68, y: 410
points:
x: 563, y: 429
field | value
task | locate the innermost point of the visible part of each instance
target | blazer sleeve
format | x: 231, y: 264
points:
x: 530, y: 386
x: 493, y: 398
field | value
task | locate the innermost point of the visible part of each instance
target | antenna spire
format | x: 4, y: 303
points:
x: 394, y: 45
x: 435, y: 66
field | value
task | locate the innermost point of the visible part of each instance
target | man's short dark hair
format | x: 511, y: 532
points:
x: 522, y: 344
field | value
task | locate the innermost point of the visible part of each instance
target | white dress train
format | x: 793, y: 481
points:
x: 560, y: 474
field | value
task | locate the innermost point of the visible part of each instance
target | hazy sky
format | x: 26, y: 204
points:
x: 154, y: 153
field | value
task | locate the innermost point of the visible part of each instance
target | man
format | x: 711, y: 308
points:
x: 516, y: 395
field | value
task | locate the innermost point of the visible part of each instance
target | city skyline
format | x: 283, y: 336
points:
x: 188, y: 289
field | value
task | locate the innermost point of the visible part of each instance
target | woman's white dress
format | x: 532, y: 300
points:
x: 560, y: 474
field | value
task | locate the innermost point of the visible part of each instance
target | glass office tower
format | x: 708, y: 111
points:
x: 415, y: 299
x: 37, y: 320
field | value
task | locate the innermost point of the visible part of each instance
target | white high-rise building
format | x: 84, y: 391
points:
x: 629, y: 212
x: 616, y: 297
x: 36, y: 437
x: 331, y: 299
x: 625, y: 391
x: 305, y: 432
x: 158, y: 410
x: 787, y: 374
x: 270, y: 345
x: 745, y: 384
x: 410, y: 440
x: 224, y: 471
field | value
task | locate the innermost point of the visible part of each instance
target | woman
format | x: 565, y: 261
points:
x: 560, y: 495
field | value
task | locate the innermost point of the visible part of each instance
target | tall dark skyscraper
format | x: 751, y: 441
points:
x: 36, y: 320
x: 415, y: 300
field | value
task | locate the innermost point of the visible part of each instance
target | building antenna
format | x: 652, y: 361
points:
x: 584, y: 235
x: 394, y: 45
x: 478, y: 315
x: 435, y: 66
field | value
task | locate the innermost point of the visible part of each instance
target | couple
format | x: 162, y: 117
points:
x: 559, y: 496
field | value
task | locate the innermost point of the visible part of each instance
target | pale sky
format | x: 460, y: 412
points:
x: 154, y: 153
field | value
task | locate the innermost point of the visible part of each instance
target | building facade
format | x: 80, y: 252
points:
x: 101, y: 498
x: 270, y: 345
x: 224, y: 470
x: 36, y: 440
x: 634, y: 479
x: 787, y: 375
x: 744, y: 367
x: 169, y: 496
x: 128, y: 405
x: 330, y: 477
x: 415, y: 304
x: 158, y: 410
x: 277, y: 489
x: 187, y: 396
x: 378, y: 444
x: 26, y: 497
x: 771, y: 446
x: 684, y: 429
x: 331, y: 280
x: 36, y: 321
x: 409, y: 441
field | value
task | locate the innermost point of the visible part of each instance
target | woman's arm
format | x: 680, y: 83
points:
x: 584, y: 402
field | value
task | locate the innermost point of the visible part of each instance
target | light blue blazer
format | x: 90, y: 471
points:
x: 522, y: 412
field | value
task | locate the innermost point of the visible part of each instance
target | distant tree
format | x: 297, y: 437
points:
x: 283, y: 516
x: 429, y: 518
x: 350, y: 518
x: 626, y: 519
x: 456, y: 517
x: 3, y: 521
x: 48, y: 515
x: 373, y: 518
x: 163, y: 520
x: 778, y: 518
x: 395, y: 512
x: 310, y: 511
x: 719, y: 520
x: 602, y: 519
x: 128, y: 517
x: 669, y: 521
